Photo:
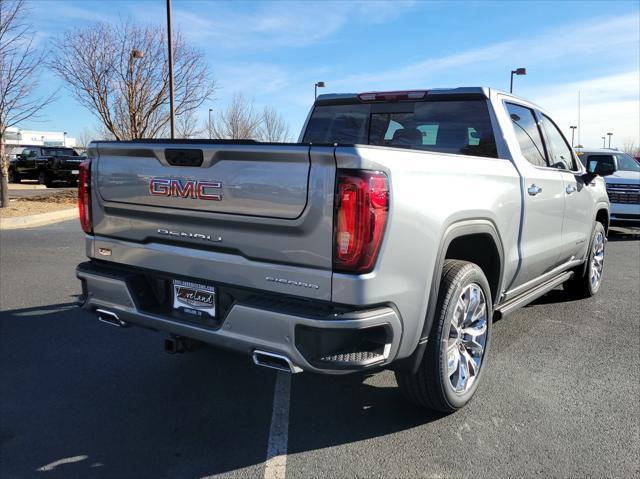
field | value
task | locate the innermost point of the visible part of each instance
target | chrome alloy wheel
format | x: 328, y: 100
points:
x: 597, y: 260
x: 467, y: 338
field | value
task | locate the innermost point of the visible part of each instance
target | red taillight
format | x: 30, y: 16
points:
x: 362, y: 203
x: 84, y: 196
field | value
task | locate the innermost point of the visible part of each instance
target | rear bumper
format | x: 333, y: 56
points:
x: 320, y: 339
x: 66, y: 175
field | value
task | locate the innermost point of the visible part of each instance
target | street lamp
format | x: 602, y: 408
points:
x: 64, y: 138
x: 573, y: 131
x: 609, y: 135
x: 319, y: 84
x: 604, y: 143
x: 210, y: 110
x: 517, y: 71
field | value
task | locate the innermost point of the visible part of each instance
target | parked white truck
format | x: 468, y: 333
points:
x: 391, y: 235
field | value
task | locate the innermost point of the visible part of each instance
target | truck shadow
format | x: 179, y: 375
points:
x: 83, y: 399
x: 623, y: 234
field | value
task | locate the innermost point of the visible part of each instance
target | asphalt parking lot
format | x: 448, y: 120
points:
x: 82, y: 399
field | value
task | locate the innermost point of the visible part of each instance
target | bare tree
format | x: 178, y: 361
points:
x: 19, y: 68
x: 274, y: 128
x: 631, y: 148
x: 86, y: 136
x: 239, y: 121
x: 187, y: 125
x: 120, y: 74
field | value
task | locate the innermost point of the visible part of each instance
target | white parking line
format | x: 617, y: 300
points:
x: 275, y: 466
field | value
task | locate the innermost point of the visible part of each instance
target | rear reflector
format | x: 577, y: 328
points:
x: 361, y: 206
x: 393, y: 95
x: 84, y: 196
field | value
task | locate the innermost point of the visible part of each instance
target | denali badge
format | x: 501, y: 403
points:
x: 195, y: 189
x: 183, y: 234
x: 290, y: 282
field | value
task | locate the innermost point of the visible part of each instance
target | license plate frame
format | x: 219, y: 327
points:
x: 195, y: 299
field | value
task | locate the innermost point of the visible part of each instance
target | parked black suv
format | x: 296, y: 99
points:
x: 46, y: 164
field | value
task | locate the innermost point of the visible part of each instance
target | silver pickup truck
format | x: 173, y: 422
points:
x: 391, y: 235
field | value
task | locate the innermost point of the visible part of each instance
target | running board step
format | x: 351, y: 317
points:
x: 531, y: 295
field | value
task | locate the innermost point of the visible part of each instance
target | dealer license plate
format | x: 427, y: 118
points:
x: 194, y: 298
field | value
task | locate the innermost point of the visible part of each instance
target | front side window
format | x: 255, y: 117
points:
x: 528, y: 134
x: 561, y: 156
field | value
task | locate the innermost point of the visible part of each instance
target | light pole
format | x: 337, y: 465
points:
x: 64, y: 138
x: 573, y: 131
x: 517, y: 71
x: 210, y: 110
x: 170, y: 51
x: 318, y: 84
x: 604, y: 143
x: 609, y: 135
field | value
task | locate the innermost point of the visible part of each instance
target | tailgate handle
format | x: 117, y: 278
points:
x: 183, y: 156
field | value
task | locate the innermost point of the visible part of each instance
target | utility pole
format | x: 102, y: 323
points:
x: 170, y: 48
x: 604, y: 142
x: 573, y: 131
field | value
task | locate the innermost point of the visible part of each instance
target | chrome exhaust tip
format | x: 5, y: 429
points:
x: 111, y: 318
x: 274, y: 361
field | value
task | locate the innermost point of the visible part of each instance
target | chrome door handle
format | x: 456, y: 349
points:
x: 570, y: 189
x: 534, y: 189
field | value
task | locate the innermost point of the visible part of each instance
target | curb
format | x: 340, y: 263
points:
x: 38, y: 220
x: 24, y: 186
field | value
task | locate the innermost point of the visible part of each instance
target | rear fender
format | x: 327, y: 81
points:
x: 454, y: 231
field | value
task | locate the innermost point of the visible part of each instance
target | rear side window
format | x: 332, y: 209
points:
x: 451, y: 126
x: 528, y: 134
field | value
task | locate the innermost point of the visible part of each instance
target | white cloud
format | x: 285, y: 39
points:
x: 281, y: 24
x: 608, y: 104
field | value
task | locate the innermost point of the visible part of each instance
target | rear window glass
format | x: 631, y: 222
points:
x: 59, y: 152
x: 459, y: 127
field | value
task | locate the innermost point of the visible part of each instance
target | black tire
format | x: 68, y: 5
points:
x: 582, y: 285
x: 431, y: 386
x: 44, y: 179
x: 14, y: 177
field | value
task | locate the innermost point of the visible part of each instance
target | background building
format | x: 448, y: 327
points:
x: 15, y: 137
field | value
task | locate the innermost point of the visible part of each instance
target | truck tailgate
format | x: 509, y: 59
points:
x: 256, y: 180
x: 261, y: 202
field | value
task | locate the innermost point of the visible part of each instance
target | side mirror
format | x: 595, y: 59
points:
x: 598, y: 168
x: 605, y: 169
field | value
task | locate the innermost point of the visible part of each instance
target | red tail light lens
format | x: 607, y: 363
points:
x: 84, y: 196
x: 362, y: 204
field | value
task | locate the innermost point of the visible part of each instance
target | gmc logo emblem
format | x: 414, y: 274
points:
x: 195, y: 189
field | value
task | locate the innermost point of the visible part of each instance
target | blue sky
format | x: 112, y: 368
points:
x: 273, y: 52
